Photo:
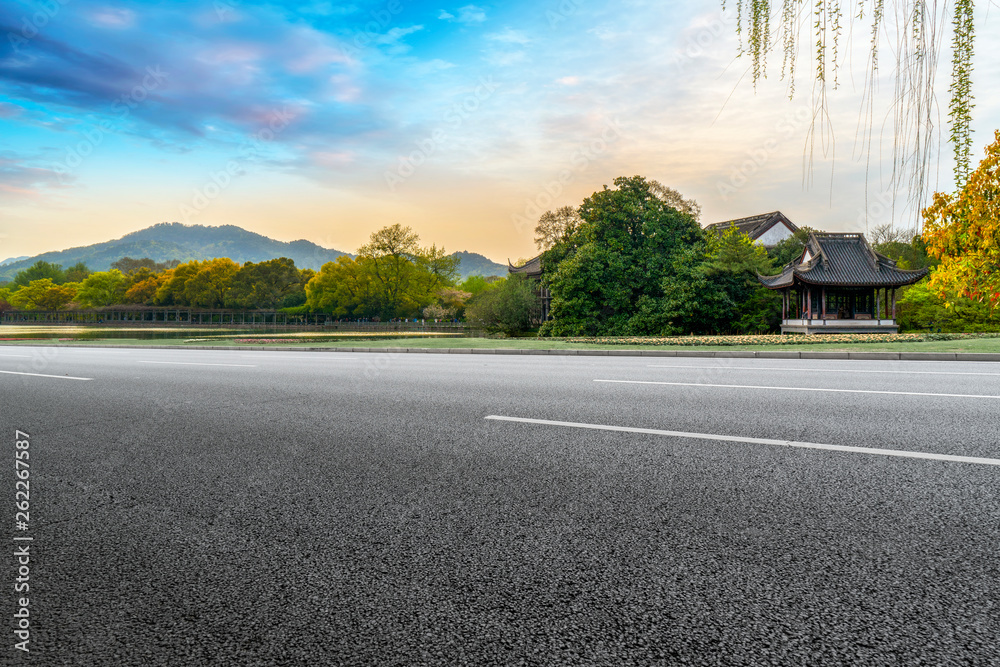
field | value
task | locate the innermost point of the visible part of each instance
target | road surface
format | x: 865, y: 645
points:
x: 257, y: 508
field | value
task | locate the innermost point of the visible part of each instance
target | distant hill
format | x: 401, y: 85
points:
x: 474, y: 264
x: 172, y: 240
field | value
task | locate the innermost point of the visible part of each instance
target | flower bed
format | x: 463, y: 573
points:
x: 775, y: 339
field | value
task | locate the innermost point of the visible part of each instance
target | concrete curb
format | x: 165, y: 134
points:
x: 710, y: 354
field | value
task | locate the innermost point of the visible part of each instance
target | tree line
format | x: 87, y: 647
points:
x: 393, y: 276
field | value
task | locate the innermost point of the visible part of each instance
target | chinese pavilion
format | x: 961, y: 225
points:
x: 840, y: 285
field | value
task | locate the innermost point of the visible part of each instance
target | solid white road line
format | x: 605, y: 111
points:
x: 816, y: 370
x: 837, y: 391
x: 23, y: 356
x: 42, y: 375
x: 758, y: 441
x: 196, y: 363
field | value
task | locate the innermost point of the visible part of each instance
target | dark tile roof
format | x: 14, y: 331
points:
x: 755, y: 225
x: 532, y: 268
x: 844, y: 260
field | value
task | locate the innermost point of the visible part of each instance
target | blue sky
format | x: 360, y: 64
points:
x: 329, y: 120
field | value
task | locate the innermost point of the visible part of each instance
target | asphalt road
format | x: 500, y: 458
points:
x: 260, y: 508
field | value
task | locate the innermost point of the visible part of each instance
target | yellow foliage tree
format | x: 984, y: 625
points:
x: 963, y: 231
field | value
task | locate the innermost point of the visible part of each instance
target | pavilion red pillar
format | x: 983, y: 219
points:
x: 809, y: 303
x: 822, y: 305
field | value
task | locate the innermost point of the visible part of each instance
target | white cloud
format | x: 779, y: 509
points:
x: 568, y: 80
x: 445, y: 16
x: 111, y: 17
x: 508, y: 36
x: 471, y: 14
x: 430, y: 67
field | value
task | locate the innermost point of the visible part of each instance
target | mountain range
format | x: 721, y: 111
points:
x: 173, y: 240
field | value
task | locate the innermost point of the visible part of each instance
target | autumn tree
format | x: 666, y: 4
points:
x: 42, y: 294
x: 143, y: 291
x: 172, y: 289
x: 963, y: 231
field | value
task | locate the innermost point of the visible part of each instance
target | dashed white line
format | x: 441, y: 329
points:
x: 758, y: 441
x: 43, y: 375
x: 196, y: 363
x: 817, y: 370
x: 836, y: 391
x: 23, y: 356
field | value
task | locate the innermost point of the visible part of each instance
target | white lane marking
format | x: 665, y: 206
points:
x: 23, y: 356
x: 837, y: 391
x: 758, y: 441
x: 195, y: 363
x: 42, y: 375
x: 319, y: 355
x: 815, y: 370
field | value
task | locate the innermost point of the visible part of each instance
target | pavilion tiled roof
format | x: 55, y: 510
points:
x: 755, y: 225
x: 532, y: 268
x: 843, y: 260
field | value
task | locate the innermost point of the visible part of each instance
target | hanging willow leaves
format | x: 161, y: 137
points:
x: 916, y: 28
x: 960, y: 108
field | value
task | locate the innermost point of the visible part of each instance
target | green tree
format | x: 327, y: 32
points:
x: 474, y: 285
x: 104, y: 288
x: 790, y: 249
x: 41, y: 270
x: 616, y: 260
x: 209, y: 287
x: 344, y: 288
x: 77, y: 273
x: 390, y: 256
x: 733, y: 263
x: 509, y: 306
x: 264, y: 285
x: 921, y: 308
